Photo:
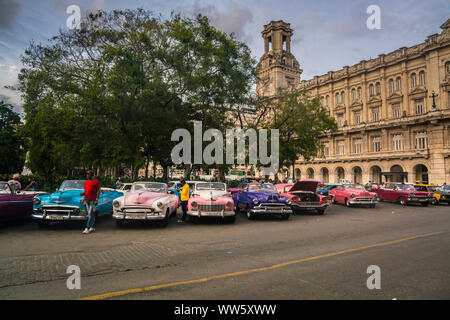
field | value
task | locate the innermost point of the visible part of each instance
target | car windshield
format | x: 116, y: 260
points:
x: 445, y: 188
x: 403, y: 187
x: 151, y: 186
x: 262, y: 187
x: 287, y: 187
x: 172, y: 184
x: 72, y: 185
x: 420, y: 188
x: 211, y: 186
x: 355, y: 186
x: 4, y: 188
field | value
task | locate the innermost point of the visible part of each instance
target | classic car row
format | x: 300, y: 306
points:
x: 155, y: 201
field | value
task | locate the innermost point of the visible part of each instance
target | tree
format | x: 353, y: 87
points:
x: 12, y: 153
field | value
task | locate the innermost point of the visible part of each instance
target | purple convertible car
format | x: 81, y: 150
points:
x: 15, y: 205
x: 261, y: 199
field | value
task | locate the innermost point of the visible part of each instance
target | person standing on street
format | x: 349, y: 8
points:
x: 32, y: 185
x: 91, y: 194
x: 118, y: 183
x: 15, y: 181
x: 184, y: 195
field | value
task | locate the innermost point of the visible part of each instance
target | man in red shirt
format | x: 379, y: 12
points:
x: 91, y: 194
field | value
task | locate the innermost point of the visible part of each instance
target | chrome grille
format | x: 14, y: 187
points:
x: 142, y: 210
x: 60, y: 209
x: 211, y: 207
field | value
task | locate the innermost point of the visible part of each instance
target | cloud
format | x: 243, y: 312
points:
x: 233, y: 19
x: 8, y: 13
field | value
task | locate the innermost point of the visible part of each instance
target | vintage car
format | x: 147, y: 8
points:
x: 258, y: 199
x: 125, y: 187
x: 304, y: 196
x: 175, y: 186
x: 403, y: 193
x: 325, y: 188
x: 353, y: 194
x: 241, y: 186
x: 15, y: 204
x: 211, y: 199
x: 146, y: 201
x: 439, y: 193
x: 67, y: 204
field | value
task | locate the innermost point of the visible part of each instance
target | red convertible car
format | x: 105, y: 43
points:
x: 353, y: 194
x: 403, y: 194
x: 15, y: 205
x: 303, y: 195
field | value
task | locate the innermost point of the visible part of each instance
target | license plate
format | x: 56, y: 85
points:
x: 135, y: 216
x: 56, y: 217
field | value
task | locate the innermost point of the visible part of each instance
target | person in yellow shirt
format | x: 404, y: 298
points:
x: 184, y: 197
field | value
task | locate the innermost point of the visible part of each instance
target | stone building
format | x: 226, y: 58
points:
x: 393, y: 111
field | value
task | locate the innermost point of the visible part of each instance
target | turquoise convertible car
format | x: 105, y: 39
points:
x: 175, y: 186
x: 67, y: 204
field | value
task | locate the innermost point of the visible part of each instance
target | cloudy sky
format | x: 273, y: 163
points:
x: 328, y: 34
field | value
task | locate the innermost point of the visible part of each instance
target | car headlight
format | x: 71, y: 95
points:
x: 36, y: 200
x: 229, y: 204
x: 194, y: 204
x: 295, y: 199
x: 255, y: 201
x: 116, y: 204
x: 160, y: 204
x: 352, y: 195
x: 288, y: 201
x: 83, y: 202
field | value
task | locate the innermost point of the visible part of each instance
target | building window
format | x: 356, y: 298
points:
x: 357, y: 117
x: 337, y: 98
x: 378, y: 88
x: 391, y: 86
x: 421, y: 140
x: 413, y: 81
x: 397, y: 142
x: 396, y: 111
x: 353, y: 94
x: 328, y: 100
x: 359, y: 93
x: 340, y: 119
x: 447, y: 67
x: 422, y: 78
x: 399, y: 84
x: 357, y: 146
x: 341, y: 147
x: 326, y: 149
x: 322, y: 101
x: 375, y: 114
x: 371, y: 90
x: 376, y: 144
x: 418, y: 103
x: 343, y: 97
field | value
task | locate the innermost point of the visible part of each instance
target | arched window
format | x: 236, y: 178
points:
x: 322, y: 101
x: 328, y: 100
x: 399, y: 84
x: 353, y: 94
x: 343, y: 97
x: 391, y: 86
x: 359, y: 93
x: 413, y: 80
x: 337, y: 97
x: 371, y: 91
x: 447, y: 67
x: 422, y: 78
x: 378, y: 88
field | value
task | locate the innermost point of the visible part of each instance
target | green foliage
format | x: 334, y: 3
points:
x: 12, y: 155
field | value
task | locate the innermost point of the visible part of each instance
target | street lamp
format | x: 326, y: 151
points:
x: 433, y: 95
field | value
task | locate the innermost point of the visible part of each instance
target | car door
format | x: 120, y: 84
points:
x: 243, y: 195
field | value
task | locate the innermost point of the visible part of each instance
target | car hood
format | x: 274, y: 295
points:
x: 305, y: 185
x: 210, y: 195
x: 62, y: 197
x: 142, y: 198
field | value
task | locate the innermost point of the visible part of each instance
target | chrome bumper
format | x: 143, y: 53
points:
x: 420, y: 199
x: 56, y: 213
x: 271, y: 210
x: 144, y: 215
x: 310, y: 205
x: 221, y: 213
x: 363, y: 200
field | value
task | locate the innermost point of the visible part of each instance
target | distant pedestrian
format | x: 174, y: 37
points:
x: 91, y: 194
x: 119, y: 183
x: 15, y: 181
x: 32, y: 185
x: 184, y: 197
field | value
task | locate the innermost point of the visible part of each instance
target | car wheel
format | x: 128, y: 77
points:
x: 165, y: 221
x: 434, y: 202
x: 120, y: 223
x: 320, y: 211
x: 402, y: 201
x: 250, y: 214
x: 347, y: 203
x: 43, y: 223
x: 285, y: 216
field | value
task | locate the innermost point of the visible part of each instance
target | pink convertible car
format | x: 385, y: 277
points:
x: 211, y: 199
x: 353, y: 194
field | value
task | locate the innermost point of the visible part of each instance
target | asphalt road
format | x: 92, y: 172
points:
x: 305, y: 257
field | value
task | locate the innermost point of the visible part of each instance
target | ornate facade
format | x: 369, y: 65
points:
x: 393, y: 111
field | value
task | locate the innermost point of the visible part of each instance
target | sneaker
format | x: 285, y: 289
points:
x: 91, y: 229
x: 86, y: 231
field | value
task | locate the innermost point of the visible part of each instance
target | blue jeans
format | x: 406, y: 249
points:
x: 90, y: 206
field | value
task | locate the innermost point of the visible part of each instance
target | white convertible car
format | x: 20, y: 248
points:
x: 150, y: 201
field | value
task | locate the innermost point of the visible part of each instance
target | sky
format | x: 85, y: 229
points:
x: 328, y: 34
